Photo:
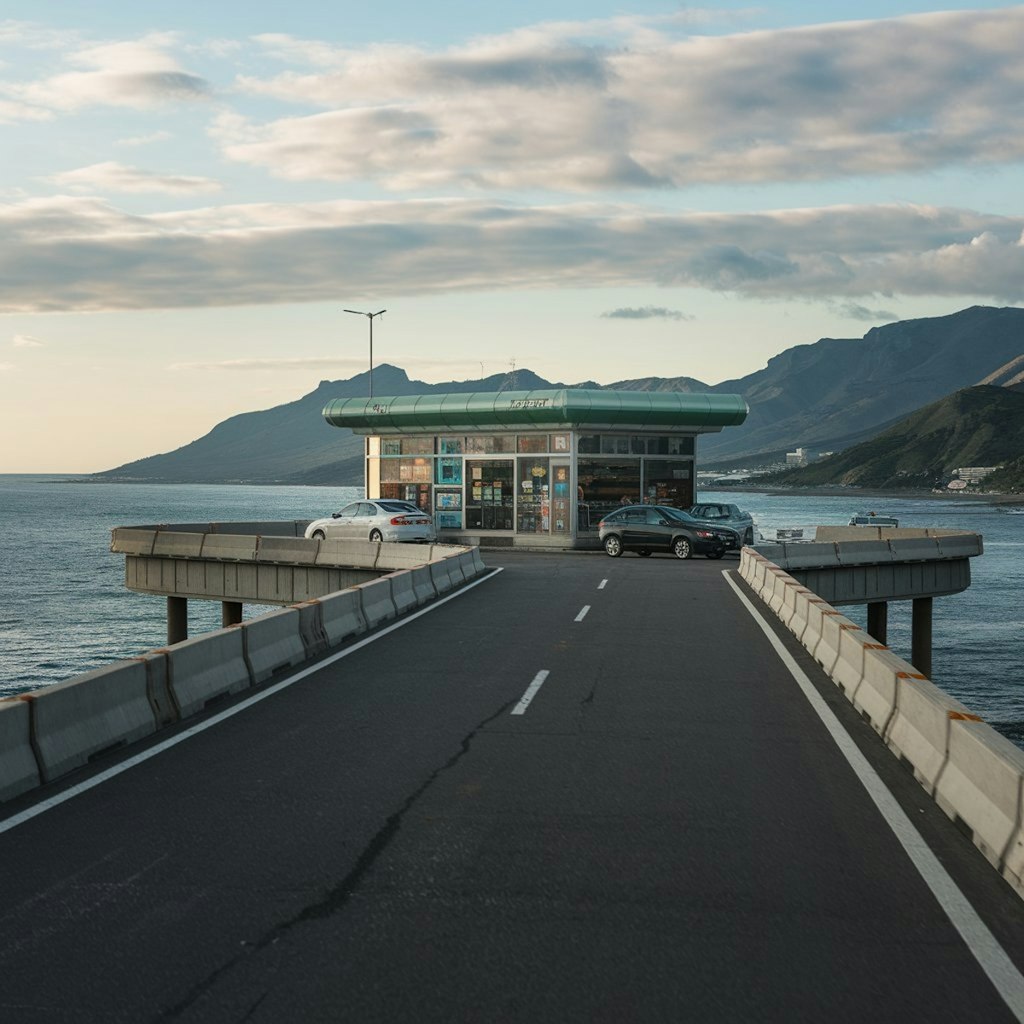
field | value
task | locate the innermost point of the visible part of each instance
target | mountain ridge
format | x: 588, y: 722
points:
x: 828, y: 394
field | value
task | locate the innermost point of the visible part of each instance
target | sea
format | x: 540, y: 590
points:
x: 64, y: 608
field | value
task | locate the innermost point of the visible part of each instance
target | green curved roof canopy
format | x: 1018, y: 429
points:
x: 537, y: 410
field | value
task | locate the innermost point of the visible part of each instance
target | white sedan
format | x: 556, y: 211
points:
x: 383, y: 519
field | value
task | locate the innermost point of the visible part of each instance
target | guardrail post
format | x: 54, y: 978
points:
x: 177, y: 619
x: 878, y: 620
x: 921, y: 635
x: 230, y: 613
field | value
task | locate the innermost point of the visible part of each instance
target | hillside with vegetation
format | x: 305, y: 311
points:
x: 977, y: 426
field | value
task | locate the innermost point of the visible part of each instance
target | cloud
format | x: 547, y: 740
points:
x: 646, y: 313
x: 144, y: 140
x: 114, y: 177
x: 854, y: 311
x: 139, y: 73
x: 26, y: 341
x: 79, y: 253
x: 568, y: 106
x: 6, y: 367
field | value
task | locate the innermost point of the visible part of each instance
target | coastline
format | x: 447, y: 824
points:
x: 855, y: 493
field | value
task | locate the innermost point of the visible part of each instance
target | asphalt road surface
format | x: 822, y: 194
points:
x: 585, y: 789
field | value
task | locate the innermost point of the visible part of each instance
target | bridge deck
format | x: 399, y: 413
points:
x: 666, y: 832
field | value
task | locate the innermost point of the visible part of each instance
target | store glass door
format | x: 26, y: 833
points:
x: 490, y: 494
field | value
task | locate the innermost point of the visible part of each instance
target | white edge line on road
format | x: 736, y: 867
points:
x: 531, y: 691
x: 980, y: 941
x: 602, y: 584
x: 90, y: 783
x: 583, y: 613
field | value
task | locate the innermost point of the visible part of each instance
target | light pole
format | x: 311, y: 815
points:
x: 369, y: 316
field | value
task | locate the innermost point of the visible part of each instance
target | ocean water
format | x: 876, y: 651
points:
x: 64, y: 608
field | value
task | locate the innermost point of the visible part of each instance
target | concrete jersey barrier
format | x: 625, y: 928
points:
x: 74, y: 720
x: 19, y: 771
x: 52, y: 731
x: 974, y: 774
x: 207, y: 667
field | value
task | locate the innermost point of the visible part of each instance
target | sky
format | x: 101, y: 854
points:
x: 192, y: 194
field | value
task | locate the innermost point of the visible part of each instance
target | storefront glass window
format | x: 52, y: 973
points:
x: 480, y: 444
x: 418, y: 494
x: 526, y: 443
x: 614, y: 444
x: 415, y: 470
x: 448, y: 508
x: 489, y: 494
x: 589, y: 444
x: 448, y: 471
x: 407, y: 446
x: 533, y: 509
x: 604, y: 485
x: 668, y: 482
x: 449, y: 445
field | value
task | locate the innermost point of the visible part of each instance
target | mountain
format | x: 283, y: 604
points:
x: 828, y: 395
x: 838, y: 392
x: 978, y: 426
x: 292, y: 443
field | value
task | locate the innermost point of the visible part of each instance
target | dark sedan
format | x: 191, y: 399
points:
x: 649, y: 528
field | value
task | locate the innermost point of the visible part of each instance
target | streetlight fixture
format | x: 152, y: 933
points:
x: 369, y: 316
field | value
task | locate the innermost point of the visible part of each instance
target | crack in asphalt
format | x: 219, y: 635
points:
x: 337, y: 897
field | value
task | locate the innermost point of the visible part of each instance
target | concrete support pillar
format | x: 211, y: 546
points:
x: 921, y: 636
x: 230, y: 613
x: 878, y: 620
x: 177, y: 619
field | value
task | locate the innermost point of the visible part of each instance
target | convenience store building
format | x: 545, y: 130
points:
x: 533, y: 468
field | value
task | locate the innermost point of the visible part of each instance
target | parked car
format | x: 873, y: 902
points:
x: 383, y: 519
x: 722, y: 513
x: 649, y: 528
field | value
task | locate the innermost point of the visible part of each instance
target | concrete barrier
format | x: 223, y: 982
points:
x: 403, y: 592
x: 272, y: 642
x: 975, y: 775
x: 311, y: 628
x: 478, y: 562
x: 18, y: 769
x: 289, y: 550
x: 178, y: 545
x: 377, y: 603
x: 158, y: 687
x: 981, y: 786
x: 423, y: 584
x: 230, y: 547
x: 454, y: 565
x: 342, y: 616
x: 77, y: 719
x: 440, y: 576
x: 467, y: 565
x: 207, y: 667
x: 919, y: 732
x: 357, y: 553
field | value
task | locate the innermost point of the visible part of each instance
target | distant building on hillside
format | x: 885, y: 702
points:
x: 798, y: 458
x: 974, y: 474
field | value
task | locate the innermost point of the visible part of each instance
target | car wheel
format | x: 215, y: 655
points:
x: 375, y: 536
x: 319, y: 535
x: 644, y: 553
x: 716, y: 554
x: 613, y: 546
x: 682, y: 548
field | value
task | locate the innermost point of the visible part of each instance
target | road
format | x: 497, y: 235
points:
x: 586, y: 789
